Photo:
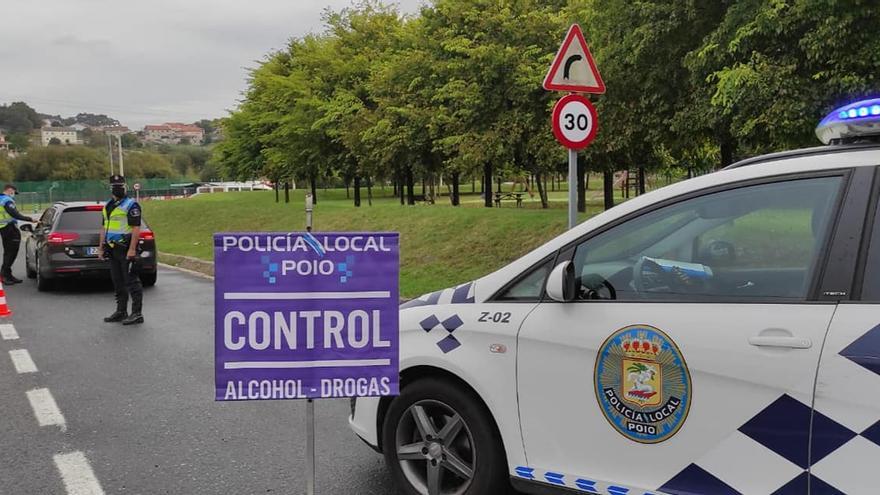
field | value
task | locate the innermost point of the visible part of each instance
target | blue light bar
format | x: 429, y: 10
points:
x: 852, y: 121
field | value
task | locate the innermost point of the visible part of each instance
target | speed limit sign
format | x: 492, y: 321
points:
x: 575, y: 122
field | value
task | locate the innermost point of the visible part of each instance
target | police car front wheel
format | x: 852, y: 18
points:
x: 440, y: 440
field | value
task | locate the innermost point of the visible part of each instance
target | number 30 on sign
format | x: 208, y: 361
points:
x: 575, y: 122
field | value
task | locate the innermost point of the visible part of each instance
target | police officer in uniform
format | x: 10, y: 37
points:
x: 120, y: 234
x: 9, y: 216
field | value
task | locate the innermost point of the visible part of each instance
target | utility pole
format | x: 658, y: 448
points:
x: 110, y: 151
x: 121, y: 167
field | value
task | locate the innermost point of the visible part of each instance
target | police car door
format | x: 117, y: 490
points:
x: 846, y: 420
x: 694, y: 331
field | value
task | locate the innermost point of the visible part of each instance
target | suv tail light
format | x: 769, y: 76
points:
x: 62, y: 237
x: 147, y: 235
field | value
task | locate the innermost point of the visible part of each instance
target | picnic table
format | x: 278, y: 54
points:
x: 512, y: 196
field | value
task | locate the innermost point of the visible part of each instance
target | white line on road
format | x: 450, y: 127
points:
x: 287, y: 296
x: 7, y: 331
x: 45, y: 408
x: 22, y: 361
x: 340, y: 363
x: 77, y: 474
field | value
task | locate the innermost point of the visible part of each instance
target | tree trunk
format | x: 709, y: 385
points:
x: 641, y: 180
x: 369, y: 191
x: 276, y: 191
x: 487, y: 184
x: 581, y: 184
x: 726, y: 149
x: 410, y: 187
x: 473, y: 185
x: 542, y: 191
x: 456, y: 199
x: 357, y: 190
x: 287, y: 191
x: 313, y: 184
x: 608, y: 186
x: 347, y: 193
x: 400, y: 189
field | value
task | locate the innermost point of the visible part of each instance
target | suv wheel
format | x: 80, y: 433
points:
x: 43, y: 284
x: 29, y: 270
x: 439, y: 440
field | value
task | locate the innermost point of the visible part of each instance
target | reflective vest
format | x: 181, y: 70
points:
x: 116, y: 224
x: 5, y: 218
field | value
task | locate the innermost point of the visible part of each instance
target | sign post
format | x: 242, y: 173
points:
x: 306, y: 316
x: 137, y: 191
x: 574, y: 118
x: 311, y: 470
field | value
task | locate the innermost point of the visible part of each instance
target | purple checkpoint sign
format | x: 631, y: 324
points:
x: 300, y: 315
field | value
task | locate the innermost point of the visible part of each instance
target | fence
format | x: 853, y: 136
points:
x: 35, y: 196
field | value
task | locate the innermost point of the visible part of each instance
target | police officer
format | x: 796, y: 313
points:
x: 9, y: 216
x: 120, y: 234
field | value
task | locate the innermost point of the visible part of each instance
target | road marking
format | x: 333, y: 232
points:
x: 288, y: 296
x: 45, y: 408
x: 338, y: 363
x: 7, y: 331
x: 22, y: 361
x: 77, y: 474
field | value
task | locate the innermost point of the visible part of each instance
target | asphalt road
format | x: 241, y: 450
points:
x: 137, y: 402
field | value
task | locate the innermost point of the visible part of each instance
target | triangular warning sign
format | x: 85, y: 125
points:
x: 574, y: 69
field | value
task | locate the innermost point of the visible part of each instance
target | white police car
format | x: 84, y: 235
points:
x: 717, y: 336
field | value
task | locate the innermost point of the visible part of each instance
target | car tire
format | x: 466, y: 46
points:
x: 43, y: 284
x: 28, y: 270
x: 417, y: 453
x: 148, y: 279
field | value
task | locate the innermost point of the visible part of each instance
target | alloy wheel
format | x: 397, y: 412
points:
x: 435, y: 449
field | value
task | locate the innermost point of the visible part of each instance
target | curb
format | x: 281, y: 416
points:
x: 187, y: 264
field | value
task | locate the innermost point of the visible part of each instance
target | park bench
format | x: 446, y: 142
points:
x: 511, y: 196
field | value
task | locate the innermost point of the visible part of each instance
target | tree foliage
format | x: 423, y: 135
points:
x: 455, y: 91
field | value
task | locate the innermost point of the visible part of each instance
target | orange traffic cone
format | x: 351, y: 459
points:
x: 4, y: 308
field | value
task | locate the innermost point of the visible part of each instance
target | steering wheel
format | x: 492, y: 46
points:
x: 596, y: 287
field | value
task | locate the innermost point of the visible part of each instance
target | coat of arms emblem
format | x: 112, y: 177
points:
x: 643, y: 384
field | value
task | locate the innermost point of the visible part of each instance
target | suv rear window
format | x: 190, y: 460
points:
x: 80, y: 220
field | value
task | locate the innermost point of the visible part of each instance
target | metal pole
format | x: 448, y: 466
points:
x: 572, y: 188
x: 310, y: 404
x: 110, y: 151
x: 121, y: 167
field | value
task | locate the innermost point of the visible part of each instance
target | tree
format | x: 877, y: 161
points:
x: 19, y: 118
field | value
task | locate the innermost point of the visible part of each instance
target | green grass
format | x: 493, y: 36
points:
x: 440, y: 245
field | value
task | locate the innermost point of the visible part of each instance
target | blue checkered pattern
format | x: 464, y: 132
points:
x: 774, y: 445
x: 449, y: 343
x: 270, y: 269
x: 462, y: 294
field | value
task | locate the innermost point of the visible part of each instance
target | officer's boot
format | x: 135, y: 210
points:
x: 116, y: 316
x: 133, y: 319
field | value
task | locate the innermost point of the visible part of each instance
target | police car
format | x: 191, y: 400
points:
x: 717, y: 336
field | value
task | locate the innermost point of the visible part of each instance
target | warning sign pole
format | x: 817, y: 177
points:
x: 310, y: 403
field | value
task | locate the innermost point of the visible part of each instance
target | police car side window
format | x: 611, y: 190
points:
x: 529, y: 287
x: 752, y: 242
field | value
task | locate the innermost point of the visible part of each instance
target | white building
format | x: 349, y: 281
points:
x: 173, y: 133
x: 66, y: 135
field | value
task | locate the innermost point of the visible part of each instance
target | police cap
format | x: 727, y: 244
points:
x: 117, y: 180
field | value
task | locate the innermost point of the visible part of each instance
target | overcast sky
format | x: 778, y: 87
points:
x: 144, y: 61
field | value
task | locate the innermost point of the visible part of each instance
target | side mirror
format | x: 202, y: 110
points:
x: 561, y: 283
x: 27, y: 228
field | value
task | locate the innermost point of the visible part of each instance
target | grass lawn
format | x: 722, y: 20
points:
x: 440, y: 245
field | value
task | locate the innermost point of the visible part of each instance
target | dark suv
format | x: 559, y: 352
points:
x: 66, y: 243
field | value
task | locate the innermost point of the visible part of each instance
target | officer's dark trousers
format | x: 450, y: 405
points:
x: 11, y: 241
x: 126, y: 280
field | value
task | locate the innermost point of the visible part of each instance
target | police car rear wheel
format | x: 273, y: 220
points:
x: 441, y: 441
